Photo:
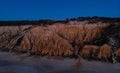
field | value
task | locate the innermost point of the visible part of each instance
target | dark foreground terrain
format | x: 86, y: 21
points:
x: 10, y: 63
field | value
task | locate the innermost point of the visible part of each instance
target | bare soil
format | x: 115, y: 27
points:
x: 12, y: 63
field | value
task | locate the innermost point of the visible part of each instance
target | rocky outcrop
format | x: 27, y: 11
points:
x: 91, y: 41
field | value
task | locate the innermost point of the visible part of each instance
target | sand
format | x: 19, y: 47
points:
x: 22, y: 63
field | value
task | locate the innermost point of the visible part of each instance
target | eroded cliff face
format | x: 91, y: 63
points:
x: 67, y: 40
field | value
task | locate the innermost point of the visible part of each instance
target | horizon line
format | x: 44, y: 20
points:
x: 58, y: 19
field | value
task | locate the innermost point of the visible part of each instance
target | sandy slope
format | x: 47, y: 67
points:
x: 10, y: 63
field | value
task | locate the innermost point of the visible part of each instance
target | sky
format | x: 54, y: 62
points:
x: 57, y: 9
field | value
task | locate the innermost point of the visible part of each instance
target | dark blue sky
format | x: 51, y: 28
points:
x: 57, y: 9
